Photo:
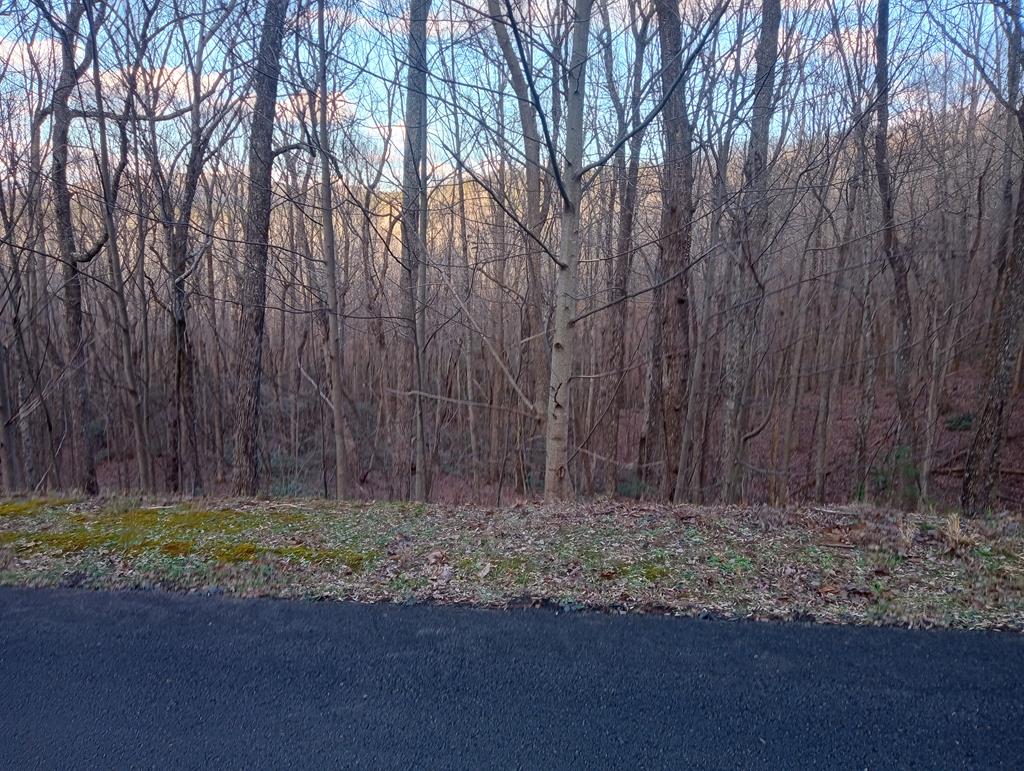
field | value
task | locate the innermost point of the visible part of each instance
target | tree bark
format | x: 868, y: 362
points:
x: 981, y: 471
x: 906, y: 459
x: 674, y: 243
x: 109, y: 185
x: 253, y: 294
x: 557, y: 484
x: 532, y: 325
x: 335, y: 359
x: 67, y: 251
x: 413, y: 231
x: 10, y: 466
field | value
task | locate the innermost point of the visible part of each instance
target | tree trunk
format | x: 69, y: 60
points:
x: 906, y: 457
x: 532, y: 326
x: 109, y: 184
x: 253, y: 294
x: 557, y: 484
x: 619, y: 288
x: 674, y: 242
x: 334, y: 310
x: 10, y: 466
x: 82, y: 413
x: 981, y: 471
x: 413, y: 229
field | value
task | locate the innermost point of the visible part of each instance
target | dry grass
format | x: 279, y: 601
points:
x: 845, y: 565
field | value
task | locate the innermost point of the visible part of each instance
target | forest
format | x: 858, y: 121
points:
x: 701, y: 251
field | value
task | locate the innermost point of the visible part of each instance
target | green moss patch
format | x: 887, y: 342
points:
x: 177, y: 548
x: 30, y: 506
x: 238, y: 552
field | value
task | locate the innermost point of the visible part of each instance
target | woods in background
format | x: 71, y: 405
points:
x: 705, y: 251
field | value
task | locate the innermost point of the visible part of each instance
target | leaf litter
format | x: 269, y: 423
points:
x: 855, y: 564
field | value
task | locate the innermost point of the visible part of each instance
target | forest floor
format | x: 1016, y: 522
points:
x: 849, y: 564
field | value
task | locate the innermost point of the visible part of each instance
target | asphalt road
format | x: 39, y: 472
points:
x: 100, y: 680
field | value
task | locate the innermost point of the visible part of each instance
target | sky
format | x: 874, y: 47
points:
x: 367, y: 44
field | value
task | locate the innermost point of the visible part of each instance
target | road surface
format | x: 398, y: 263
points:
x: 146, y: 679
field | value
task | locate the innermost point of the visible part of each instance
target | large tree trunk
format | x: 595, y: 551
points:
x: 674, y: 242
x: 254, y: 267
x: 82, y: 412
x: 906, y: 457
x: 556, y: 471
x: 413, y: 231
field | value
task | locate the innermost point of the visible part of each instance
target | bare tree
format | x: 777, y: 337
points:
x: 982, y: 468
x: 676, y: 257
x: 906, y: 457
x: 557, y: 483
x: 70, y: 255
x: 752, y: 236
x: 253, y: 295
x: 334, y: 309
x: 414, y: 226
x: 674, y: 245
